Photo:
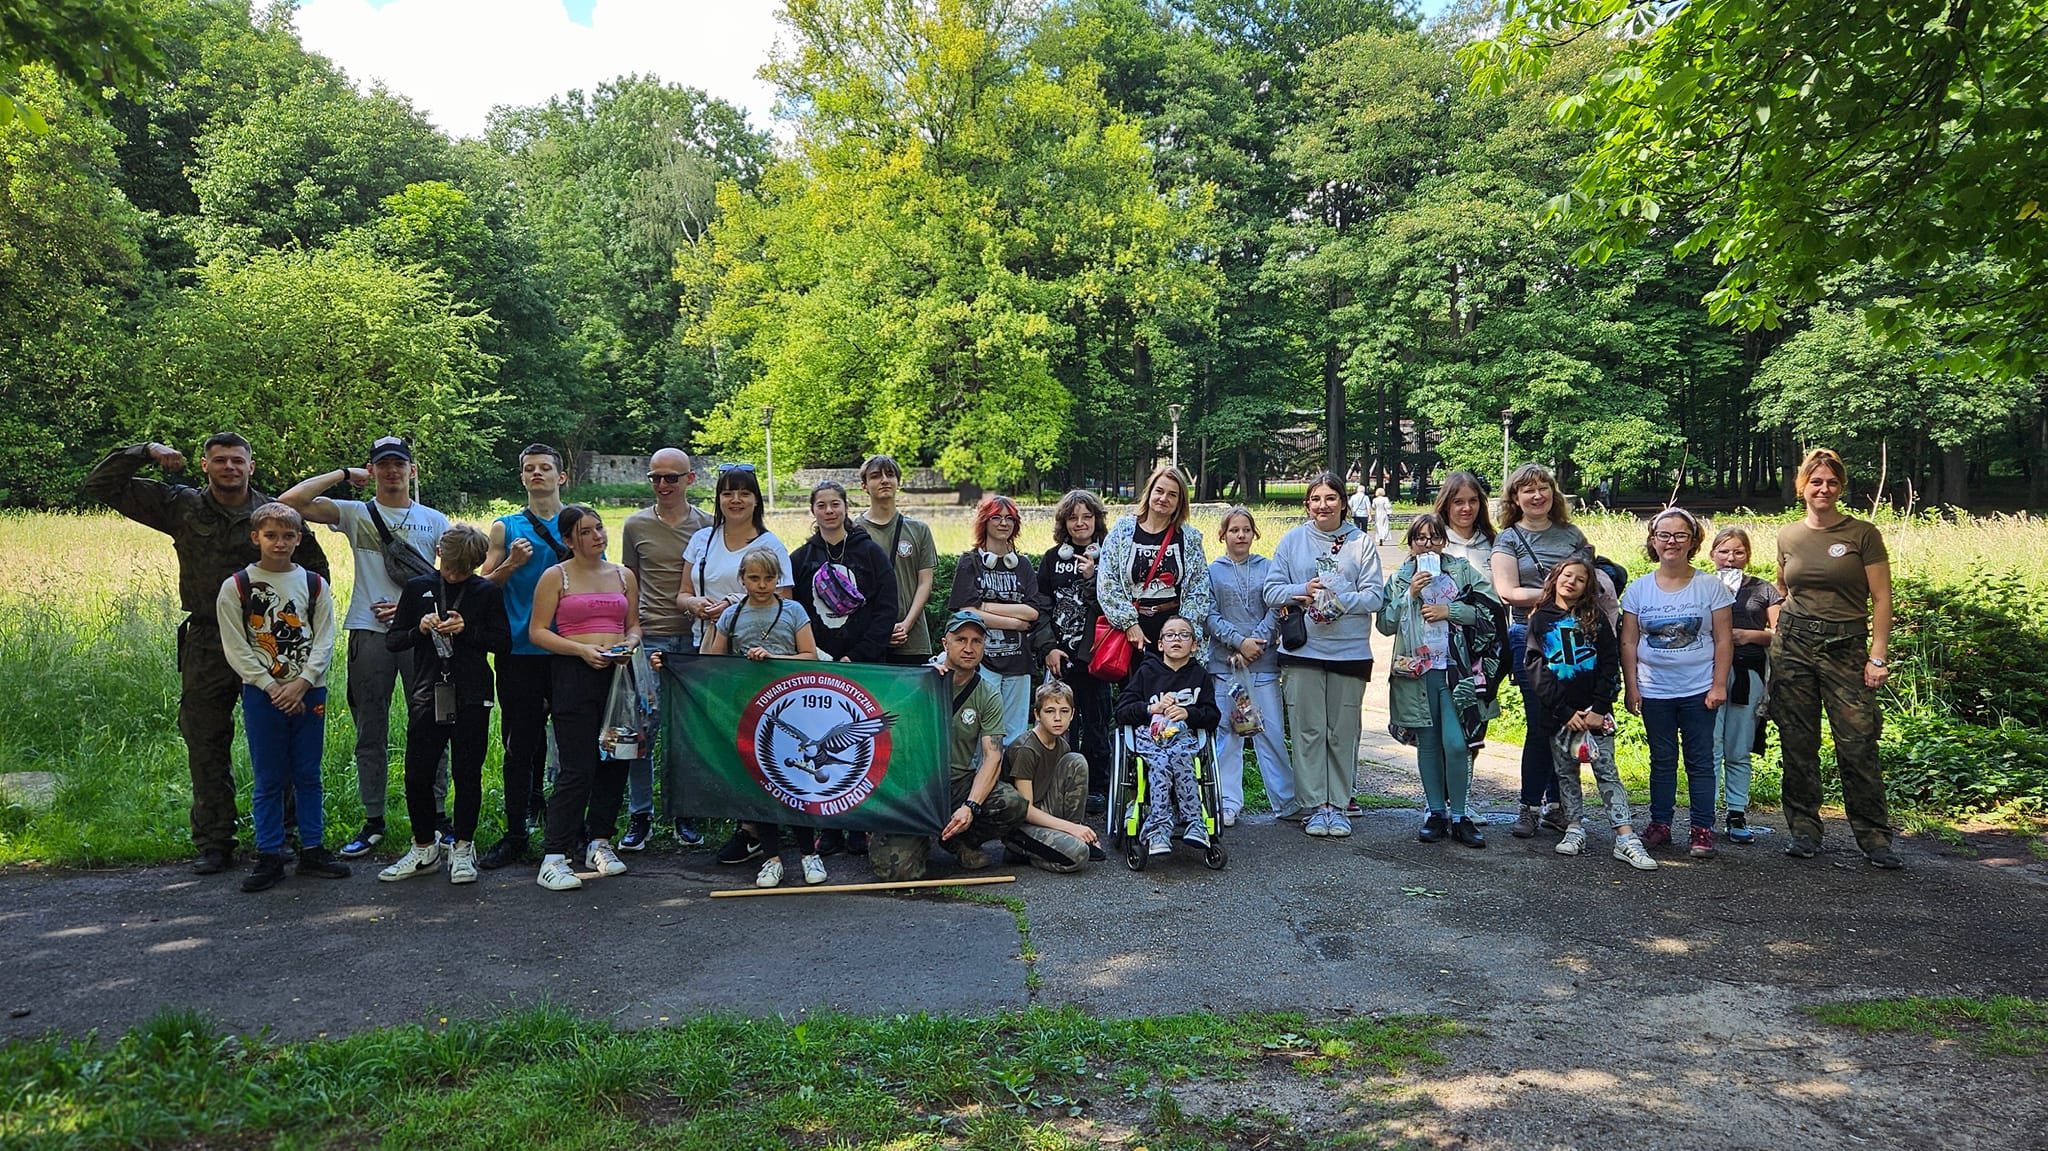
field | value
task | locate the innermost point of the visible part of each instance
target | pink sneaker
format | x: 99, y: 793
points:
x: 1657, y: 835
x: 1702, y: 843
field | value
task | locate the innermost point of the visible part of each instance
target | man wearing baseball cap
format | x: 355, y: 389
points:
x: 984, y: 807
x: 394, y: 538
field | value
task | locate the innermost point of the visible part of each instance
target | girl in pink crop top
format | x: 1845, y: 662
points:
x: 582, y: 624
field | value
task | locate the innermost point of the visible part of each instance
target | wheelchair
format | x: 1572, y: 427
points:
x: 1130, y: 799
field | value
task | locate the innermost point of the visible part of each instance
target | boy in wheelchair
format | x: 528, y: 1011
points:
x: 1170, y: 700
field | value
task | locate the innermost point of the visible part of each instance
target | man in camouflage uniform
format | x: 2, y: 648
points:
x: 984, y: 808
x: 209, y: 529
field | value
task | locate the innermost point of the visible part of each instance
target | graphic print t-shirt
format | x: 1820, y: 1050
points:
x: 1675, y: 651
x: 974, y: 583
x: 1164, y: 587
x: 417, y: 526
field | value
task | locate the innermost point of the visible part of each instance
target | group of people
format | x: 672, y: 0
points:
x: 1116, y: 625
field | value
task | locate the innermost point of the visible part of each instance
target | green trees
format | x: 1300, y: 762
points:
x: 962, y: 245
x: 305, y: 352
x: 1791, y: 141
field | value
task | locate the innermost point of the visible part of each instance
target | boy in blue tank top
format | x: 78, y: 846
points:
x: 523, y: 545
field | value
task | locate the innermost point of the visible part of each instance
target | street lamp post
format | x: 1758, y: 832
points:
x: 1173, y: 413
x: 768, y: 441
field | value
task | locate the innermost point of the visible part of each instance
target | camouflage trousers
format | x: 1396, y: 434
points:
x: 1065, y: 796
x: 208, y: 691
x: 1814, y: 667
x: 898, y: 858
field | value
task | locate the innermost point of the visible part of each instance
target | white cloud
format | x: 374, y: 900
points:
x: 456, y: 59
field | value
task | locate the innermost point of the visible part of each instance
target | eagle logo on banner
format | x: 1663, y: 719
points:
x: 817, y: 742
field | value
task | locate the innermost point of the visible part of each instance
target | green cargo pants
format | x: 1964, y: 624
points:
x: 1816, y: 665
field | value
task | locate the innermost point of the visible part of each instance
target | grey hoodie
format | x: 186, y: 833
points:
x: 1350, y: 567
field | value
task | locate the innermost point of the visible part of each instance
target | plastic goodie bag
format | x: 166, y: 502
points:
x: 628, y: 707
x: 1244, y: 714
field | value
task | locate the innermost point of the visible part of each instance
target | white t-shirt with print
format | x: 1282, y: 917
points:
x: 715, y: 571
x: 1675, y: 647
x: 417, y: 525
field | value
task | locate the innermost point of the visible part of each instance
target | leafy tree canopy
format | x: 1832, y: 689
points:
x: 1791, y: 140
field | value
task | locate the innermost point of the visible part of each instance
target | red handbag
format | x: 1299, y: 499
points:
x: 1111, y: 659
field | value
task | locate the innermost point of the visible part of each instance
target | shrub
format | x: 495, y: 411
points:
x: 1972, y: 650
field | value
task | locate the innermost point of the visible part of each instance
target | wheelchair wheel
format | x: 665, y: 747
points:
x: 1216, y: 859
x: 1135, y: 854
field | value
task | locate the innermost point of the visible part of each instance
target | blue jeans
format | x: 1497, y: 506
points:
x: 1539, y: 775
x: 1735, y: 738
x: 640, y: 772
x: 1666, y: 722
x: 1016, y: 694
x: 284, y: 756
x: 1445, y: 764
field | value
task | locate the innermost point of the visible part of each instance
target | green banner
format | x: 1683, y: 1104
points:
x: 858, y: 746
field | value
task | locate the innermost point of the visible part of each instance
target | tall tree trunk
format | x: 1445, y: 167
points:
x: 1788, y: 456
x: 1333, y: 410
x: 2037, y: 467
x: 1955, y: 477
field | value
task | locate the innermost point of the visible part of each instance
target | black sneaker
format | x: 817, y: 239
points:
x: 856, y: 843
x: 1800, y: 847
x: 318, y: 861
x: 1435, y: 826
x: 740, y: 848
x: 831, y: 841
x: 1096, y: 854
x: 269, y: 873
x: 213, y: 861
x: 1097, y: 804
x: 639, y: 829
x: 1554, y: 820
x: 371, y: 835
x: 687, y: 833
x: 1883, y: 857
x: 1467, y: 832
x: 507, y: 851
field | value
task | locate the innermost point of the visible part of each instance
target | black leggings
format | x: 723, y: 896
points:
x: 524, y: 685
x: 425, y: 740
x: 589, y: 788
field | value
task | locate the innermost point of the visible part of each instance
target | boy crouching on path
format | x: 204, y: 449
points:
x: 1053, y: 778
x: 278, y: 635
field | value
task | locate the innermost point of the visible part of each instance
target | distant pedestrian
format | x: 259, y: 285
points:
x: 1382, y: 517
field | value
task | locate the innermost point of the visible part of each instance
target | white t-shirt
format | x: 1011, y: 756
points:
x: 1361, y: 503
x: 418, y: 525
x: 1675, y: 650
x: 715, y: 571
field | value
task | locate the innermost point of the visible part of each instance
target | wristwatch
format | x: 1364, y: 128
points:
x: 973, y: 805
x: 1876, y: 662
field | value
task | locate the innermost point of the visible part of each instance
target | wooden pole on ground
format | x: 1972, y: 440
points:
x: 905, y: 885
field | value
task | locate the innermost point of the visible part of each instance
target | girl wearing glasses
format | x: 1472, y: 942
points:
x: 1328, y: 572
x: 1152, y: 567
x: 1677, y: 646
x: 1435, y: 590
x: 995, y: 579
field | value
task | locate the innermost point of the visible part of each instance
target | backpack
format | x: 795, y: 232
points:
x: 244, y: 590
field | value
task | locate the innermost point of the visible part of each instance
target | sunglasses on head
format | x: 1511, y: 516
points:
x: 724, y: 468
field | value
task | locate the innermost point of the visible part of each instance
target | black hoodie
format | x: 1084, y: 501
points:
x: 864, y: 635
x: 1567, y: 675
x: 1192, y: 685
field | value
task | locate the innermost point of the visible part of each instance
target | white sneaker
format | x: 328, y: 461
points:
x: 814, y: 869
x: 770, y: 874
x: 557, y: 875
x: 417, y: 860
x: 1631, y: 851
x: 1338, y: 825
x: 1318, y: 823
x: 462, y: 862
x: 1230, y: 817
x: 603, y: 859
x: 1574, y: 841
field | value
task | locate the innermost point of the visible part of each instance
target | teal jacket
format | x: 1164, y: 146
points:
x: 1407, y: 702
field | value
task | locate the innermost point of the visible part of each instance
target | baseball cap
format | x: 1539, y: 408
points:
x: 390, y: 446
x: 965, y: 617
